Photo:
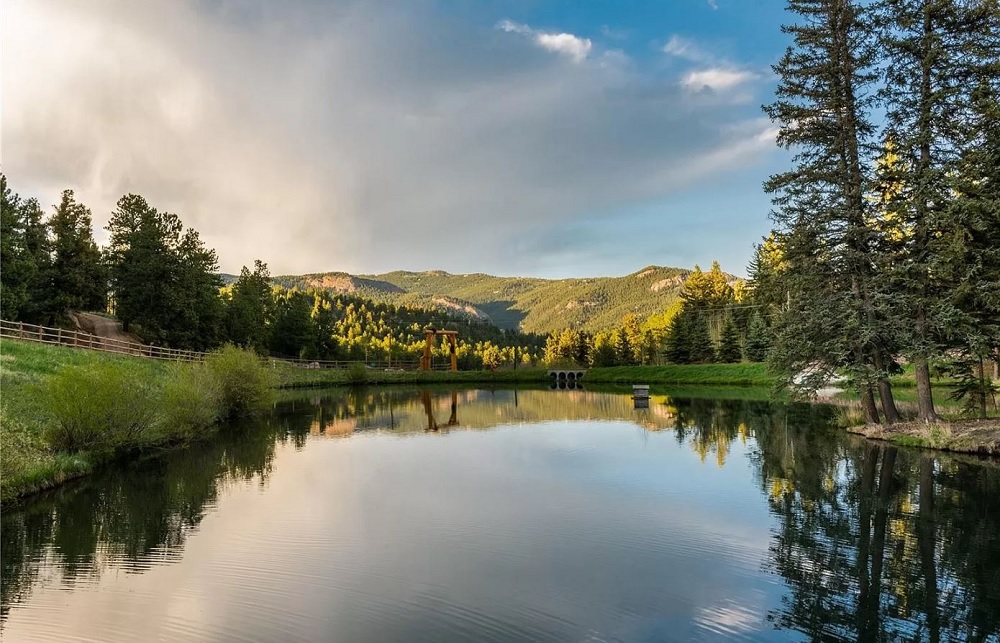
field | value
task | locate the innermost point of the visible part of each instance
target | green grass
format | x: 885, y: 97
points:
x: 64, y: 411
x: 746, y: 374
x: 292, y: 377
x: 27, y: 461
x: 678, y: 374
x: 906, y: 379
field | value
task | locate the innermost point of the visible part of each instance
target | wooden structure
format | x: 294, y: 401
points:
x: 640, y: 396
x: 432, y: 423
x: 76, y: 339
x: 430, y: 334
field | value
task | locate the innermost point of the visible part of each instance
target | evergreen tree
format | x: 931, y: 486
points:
x: 16, y: 265
x: 163, y: 278
x: 688, y: 340
x: 25, y: 259
x: 141, y: 265
x: 678, y: 339
x: 701, y: 348
x: 930, y: 46
x: 623, y: 348
x: 767, y: 271
x: 758, y: 341
x: 199, y: 314
x: 582, y: 348
x: 250, y: 309
x: 832, y: 318
x: 293, y: 332
x: 78, y: 277
x: 968, y: 253
x: 729, y: 345
x: 604, y: 353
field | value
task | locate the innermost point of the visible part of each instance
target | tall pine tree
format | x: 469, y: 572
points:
x: 831, y: 319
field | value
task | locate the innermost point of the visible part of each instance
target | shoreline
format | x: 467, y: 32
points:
x: 739, y: 374
x: 31, y: 465
x: 977, y: 437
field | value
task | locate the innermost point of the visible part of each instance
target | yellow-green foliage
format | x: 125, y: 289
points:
x: 357, y: 373
x: 101, y: 407
x: 62, y: 410
x: 244, y: 383
x: 191, y: 400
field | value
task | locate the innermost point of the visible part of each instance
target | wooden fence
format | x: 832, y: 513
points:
x: 78, y: 339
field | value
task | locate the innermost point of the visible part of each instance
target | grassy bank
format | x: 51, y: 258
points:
x: 65, y: 411
x: 293, y: 377
x: 963, y: 436
x: 683, y: 374
x: 700, y: 374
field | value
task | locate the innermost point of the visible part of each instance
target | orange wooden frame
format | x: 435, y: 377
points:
x: 430, y: 335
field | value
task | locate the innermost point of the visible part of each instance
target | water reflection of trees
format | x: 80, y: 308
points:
x: 873, y: 543
x: 129, y: 518
x: 877, y: 543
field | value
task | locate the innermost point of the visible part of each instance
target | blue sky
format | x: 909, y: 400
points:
x: 526, y: 137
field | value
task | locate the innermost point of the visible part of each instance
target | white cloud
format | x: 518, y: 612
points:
x: 358, y: 136
x: 685, y: 48
x: 567, y: 44
x: 716, y: 79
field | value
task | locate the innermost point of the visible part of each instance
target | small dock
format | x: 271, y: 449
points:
x: 640, y: 396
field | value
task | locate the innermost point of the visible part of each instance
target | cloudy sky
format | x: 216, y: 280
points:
x: 533, y: 137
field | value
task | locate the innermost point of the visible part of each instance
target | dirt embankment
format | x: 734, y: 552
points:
x: 964, y: 436
x: 104, y: 327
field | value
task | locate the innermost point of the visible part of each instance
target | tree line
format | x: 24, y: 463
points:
x: 161, y: 281
x: 715, y: 320
x: 886, y: 242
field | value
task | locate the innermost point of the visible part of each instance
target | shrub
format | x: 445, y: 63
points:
x: 191, y: 400
x: 103, y: 407
x: 243, y: 383
x: 357, y: 373
x: 19, y: 451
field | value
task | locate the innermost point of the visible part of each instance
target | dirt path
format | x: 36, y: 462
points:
x: 103, y: 327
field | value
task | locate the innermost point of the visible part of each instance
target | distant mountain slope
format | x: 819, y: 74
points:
x: 531, y: 304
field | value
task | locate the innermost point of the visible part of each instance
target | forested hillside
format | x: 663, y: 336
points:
x: 529, y: 304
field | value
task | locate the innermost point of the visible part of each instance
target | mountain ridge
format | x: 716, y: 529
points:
x: 529, y: 304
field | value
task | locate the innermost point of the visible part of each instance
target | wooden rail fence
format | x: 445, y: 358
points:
x: 78, y: 339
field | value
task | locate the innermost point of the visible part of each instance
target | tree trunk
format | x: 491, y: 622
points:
x: 925, y: 401
x: 983, y: 392
x: 872, y: 610
x: 885, y: 391
x: 888, y: 402
x: 926, y: 540
x: 865, y: 531
x: 868, y: 404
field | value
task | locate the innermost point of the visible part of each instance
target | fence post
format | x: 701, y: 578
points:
x: 20, y: 329
x: 59, y: 335
x: 76, y: 339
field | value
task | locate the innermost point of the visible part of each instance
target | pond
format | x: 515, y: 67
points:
x: 448, y: 515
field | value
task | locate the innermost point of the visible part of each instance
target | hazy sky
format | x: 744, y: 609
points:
x: 526, y: 137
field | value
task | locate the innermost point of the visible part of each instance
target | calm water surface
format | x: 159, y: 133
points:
x: 409, y: 515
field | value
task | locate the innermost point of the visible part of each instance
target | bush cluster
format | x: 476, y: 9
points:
x: 102, y: 408
x: 245, y: 385
x: 114, y: 407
